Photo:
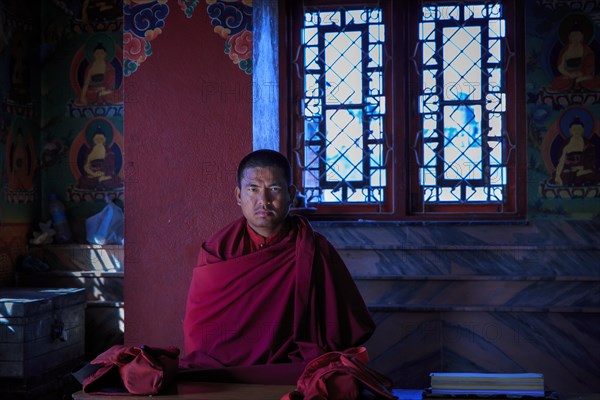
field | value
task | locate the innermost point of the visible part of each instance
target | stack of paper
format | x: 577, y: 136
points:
x: 527, y: 384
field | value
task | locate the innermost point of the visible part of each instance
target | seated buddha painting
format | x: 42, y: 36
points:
x: 571, y: 153
x: 96, y: 78
x: 97, y: 162
x: 21, y: 164
x: 572, y: 64
x: 575, y: 57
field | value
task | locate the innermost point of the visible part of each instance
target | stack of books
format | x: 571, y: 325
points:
x: 486, y: 385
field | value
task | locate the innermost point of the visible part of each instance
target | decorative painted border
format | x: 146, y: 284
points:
x: 145, y: 20
x: 232, y: 20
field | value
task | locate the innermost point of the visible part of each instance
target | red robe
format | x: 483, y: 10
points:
x: 288, y: 302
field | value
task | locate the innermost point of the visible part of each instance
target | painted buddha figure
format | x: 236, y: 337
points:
x: 577, y: 162
x: 99, y: 80
x: 21, y: 167
x: 576, y: 64
x: 99, y: 166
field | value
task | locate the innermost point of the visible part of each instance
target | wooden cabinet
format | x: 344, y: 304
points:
x: 41, y: 340
x: 98, y: 270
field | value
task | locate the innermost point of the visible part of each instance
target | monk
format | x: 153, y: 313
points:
x: 269, y: 294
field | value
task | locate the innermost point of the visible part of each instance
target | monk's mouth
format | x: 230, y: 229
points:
x: 263, y: 213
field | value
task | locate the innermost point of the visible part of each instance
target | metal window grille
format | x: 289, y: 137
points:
x: 462, y: 150
x: 341, y: 151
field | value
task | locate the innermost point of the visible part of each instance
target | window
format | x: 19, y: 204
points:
x: 407, y: 110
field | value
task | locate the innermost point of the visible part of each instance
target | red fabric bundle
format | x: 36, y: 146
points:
x: 133, y: 370
x: 340, y: 375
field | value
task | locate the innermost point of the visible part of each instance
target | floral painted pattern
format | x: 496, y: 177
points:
x: 188, y: 6
x: 144, y: 21
x: 232, y: 20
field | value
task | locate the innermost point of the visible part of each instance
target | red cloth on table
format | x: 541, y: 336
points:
x: 289, y: 301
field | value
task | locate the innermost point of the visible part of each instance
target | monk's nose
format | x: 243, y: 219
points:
x: 264, y: 198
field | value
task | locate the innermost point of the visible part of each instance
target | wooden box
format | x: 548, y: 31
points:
x: 98, y: 269
x: 40, y: 330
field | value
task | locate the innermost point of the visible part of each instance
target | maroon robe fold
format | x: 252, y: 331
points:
x: 290, y: 301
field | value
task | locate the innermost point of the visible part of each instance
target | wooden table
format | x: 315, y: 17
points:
x: 239, y: 391
x: 204, y: 391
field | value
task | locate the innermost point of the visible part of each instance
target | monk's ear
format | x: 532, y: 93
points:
x: 292, y: 191
x: 238, y: 197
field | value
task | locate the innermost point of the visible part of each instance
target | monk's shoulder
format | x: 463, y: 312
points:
x: 324, y: 247
x: 225, y: 238
x: 320, y: 239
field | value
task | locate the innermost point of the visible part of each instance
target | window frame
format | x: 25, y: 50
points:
x: 401, y: 39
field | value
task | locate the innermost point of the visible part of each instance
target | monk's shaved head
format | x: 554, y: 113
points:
x: 265, y: 158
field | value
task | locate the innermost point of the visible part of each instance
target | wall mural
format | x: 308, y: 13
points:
x: 563, y: 90
x: 96, y: 78
x: 81, y: 152
x: 569, y: 154
x: 21, y: 163
x: 96, y: 160
x: 145, y: 20
x: 19, y: 96
x: 17, y: 130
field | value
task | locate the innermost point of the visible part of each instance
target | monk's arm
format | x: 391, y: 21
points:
x: 348, y: 322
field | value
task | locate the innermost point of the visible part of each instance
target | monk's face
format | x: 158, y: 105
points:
x: 265, y: 199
